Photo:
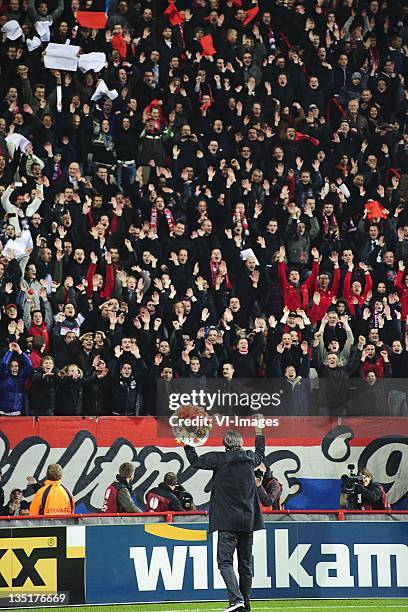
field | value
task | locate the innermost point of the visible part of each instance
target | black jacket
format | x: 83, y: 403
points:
x: 69, y: 397
x: 269, y: 493
x: 43, y: 391
x: 125, y: 396
x: 97, y: 397
x: 371, y: 496
x: 234, y: 502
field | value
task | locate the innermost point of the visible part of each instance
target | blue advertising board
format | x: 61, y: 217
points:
x: 160, y: 562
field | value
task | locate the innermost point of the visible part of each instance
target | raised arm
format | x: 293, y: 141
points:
x: 259, y: 455
x: 209, y: 461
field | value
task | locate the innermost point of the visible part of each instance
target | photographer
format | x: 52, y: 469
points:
x: 118, y: 496
x: 371, y: 494
x: 269, y: 488
x: 169, y: 495
x: 360, y: 492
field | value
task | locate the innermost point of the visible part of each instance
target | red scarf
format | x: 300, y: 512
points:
x: 300, y: 136
x: 118, y: 43
x: 148, y: 110
x: 214, y: 269
x: 169, y: 219
x: 327, y: 221
x: 241, y: 217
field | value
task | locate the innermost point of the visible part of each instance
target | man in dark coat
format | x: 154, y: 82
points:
x: 234, y: 510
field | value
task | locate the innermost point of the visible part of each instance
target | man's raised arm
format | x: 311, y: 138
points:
x: 209, y: 461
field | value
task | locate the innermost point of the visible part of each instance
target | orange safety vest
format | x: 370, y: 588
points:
x: 52, y: 498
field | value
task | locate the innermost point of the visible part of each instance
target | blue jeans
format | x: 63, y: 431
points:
x: 125, y: 174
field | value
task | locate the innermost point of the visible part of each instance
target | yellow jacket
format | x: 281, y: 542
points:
x: 52, y: 498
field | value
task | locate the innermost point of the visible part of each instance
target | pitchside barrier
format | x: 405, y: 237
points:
x: 103, y: 560
x: 308, y: 455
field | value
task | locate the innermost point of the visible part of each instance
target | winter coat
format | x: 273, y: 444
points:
x: 299, y: 246
x: 126, y: 392
x: 43, y: 391
x: 12, y: 387
x: 69, y: 396
x: 96, y: 399
x: 234, y: 502
x: 125, y: 396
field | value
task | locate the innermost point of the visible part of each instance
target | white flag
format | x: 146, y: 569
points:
x: 102, y: 90
x: 43, y: 30
x: 18, y: 140
x: 61, y: 57
x: 91, y: 61
x: 12, y: 29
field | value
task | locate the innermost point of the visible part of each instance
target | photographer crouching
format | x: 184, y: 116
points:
x: 169, y: 495
x: 360, y: 492
x: 269, y: 488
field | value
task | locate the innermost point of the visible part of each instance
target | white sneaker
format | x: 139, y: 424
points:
x: 239, y: 606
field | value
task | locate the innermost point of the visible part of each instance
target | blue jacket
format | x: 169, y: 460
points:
x: 12, y: 387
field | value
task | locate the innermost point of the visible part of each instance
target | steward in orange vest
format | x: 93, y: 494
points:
x: 53, y: 497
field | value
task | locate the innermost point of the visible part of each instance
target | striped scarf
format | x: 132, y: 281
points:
x: 169, y: 218
x: 241, y: 217
x: 214, y: 269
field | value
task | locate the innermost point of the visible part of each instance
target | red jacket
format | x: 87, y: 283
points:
x: 376, y: 366
x: 360, y: 298
x: 317, y: 312
x: 296, y: 297
x: 41, y: 330
x: 402, y: 294
x: 109, y: 281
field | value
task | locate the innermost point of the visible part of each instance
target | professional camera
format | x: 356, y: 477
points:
x: 184, y: 497
x: 348, y: 496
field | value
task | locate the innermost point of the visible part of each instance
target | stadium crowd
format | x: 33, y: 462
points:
x: 225, y: 197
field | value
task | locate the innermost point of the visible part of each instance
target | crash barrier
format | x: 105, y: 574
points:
x: 88, y: 562
x: 308, y: 455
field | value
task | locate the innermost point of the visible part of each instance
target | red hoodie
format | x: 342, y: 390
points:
x: 296, y: 297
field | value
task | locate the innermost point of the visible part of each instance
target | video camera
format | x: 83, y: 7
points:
x: 348, y: 495
x: 184, y: 497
